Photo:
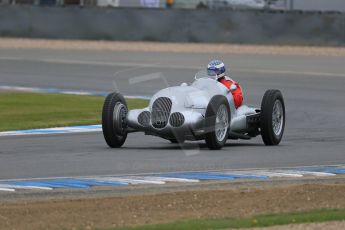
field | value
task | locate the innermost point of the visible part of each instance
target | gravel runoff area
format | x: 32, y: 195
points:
x: 225, y: 201
x: 23, y: 43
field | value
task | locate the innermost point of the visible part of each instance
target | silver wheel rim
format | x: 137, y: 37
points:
x: 119, y: 118
x: 222, y: 122
x: 277, y: 117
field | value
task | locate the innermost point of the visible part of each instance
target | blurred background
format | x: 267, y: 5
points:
x: 287, y: 22
x: 319, y: 5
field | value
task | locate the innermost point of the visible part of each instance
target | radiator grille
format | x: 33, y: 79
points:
x: 176, y: 119
x: 160, y: 112
x: 144, y: 118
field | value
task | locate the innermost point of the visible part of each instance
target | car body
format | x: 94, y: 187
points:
x: 202, y: 110
x: 188, y: 103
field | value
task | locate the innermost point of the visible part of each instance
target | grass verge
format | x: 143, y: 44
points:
x: 257, y: 221
x: 38, y: 110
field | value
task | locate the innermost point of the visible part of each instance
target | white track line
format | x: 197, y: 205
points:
x: 130, y: 64
x: 127, y: 180
x: 64, y: 91
x: 311, y: 173
x: 60, y: 130
x: 268, y: 173
x: 276, y: 174
x: 167, y: 179
x: 7, y: 190
x: 9, y: 186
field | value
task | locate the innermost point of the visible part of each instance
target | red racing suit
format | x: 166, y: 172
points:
x: 237, y: 93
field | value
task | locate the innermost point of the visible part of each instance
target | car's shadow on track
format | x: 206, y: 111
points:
x: 189, y: 146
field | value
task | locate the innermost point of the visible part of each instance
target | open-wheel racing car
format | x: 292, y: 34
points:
x: 202, y: 110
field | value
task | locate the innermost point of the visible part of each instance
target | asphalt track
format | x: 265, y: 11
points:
x: 313, y: 89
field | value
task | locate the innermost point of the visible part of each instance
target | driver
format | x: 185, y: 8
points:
x: 216, y: 69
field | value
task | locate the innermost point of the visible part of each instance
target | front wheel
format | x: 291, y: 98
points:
x: 114, y: 123
x: 272, y: 117
x: 217, y: 120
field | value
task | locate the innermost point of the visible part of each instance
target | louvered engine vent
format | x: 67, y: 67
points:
x: 176, y: 119
x: 160, y: 112
x: 144, y: 118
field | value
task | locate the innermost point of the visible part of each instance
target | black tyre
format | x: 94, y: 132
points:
x: 217, y: 120
x: 114, y: 120
x: 272, y: 117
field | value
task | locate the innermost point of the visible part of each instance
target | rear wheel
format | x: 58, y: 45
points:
x: 272, y: 117
x: 217, y: 120
x: 114, y: 123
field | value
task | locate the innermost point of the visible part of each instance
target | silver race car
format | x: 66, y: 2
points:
x: 202, y: 110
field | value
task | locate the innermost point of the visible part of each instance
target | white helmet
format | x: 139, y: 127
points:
x: 216, y: 69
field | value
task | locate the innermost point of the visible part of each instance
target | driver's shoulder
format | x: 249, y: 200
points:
x: 228, y: 78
